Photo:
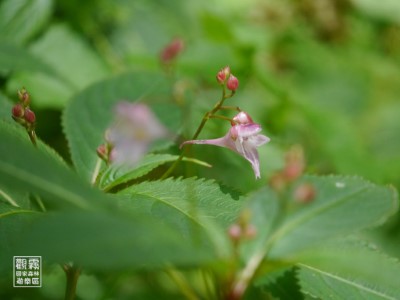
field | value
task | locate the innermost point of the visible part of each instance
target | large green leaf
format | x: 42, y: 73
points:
x: 199, y: 209
x: 40, y: 170
x: 21, y: 19
x: 107, y: 241
x: 342, y: 205
x: 119, y: 174
x: 15, y: 58
x: 91, y: 112
x: 76, y: 67
x: 348, y: 271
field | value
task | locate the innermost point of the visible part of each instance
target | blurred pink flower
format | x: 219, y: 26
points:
x: 242, y: 139
x: 134, y: 130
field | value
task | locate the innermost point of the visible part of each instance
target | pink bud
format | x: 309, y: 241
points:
x: 223, y: 74
x: 232, y: 83
x: 29, y: 116
x: 102, y: 152
x: 304, y: 193
x: 243, y: 118
x: 18, y: 111
x: 172, y: 50
x: 294, y: 163
x: 235, y: 232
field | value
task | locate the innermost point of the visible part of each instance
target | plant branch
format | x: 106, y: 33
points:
x: 72, y: 274
x: 180, y: 281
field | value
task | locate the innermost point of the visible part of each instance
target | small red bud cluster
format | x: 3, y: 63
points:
x: 242, y: 229
x: 21, y: 113
x: 105, y: 151
x: 292, y: 170
x: 225, y: 77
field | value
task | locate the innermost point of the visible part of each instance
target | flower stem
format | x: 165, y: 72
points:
x: 206, y: 117
x: 72, y: 274
x: 32, y: 136
x: 183, y: 285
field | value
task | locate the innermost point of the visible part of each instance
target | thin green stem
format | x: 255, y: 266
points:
x: 221, y: 118
x: 181, y: 282
x: 32, y: 136
x: 237, y: 108
x: 8, y: 198
x: 96, y: 171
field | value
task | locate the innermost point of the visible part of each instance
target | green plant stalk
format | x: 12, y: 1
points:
x: 206, y: 117
x: 72, y: 274
x: 180, y: 281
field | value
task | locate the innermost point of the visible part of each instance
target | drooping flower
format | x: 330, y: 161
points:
x: 135, y: 129
x: 242, y: 138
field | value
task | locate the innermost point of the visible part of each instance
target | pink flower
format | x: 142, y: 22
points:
x: 134, y: 130
x: 232, y: 83
x: 242, y: 139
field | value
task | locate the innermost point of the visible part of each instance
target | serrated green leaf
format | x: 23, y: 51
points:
x: 20, y: 20
x: 342, y: 205
x: 348, y: 271
x: 199, y: 209
x: 119, y: 174
x: 90, y: 113
x: 40, y: 170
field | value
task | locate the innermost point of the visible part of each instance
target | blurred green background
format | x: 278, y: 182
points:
x: 323, y: 74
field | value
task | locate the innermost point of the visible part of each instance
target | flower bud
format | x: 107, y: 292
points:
x: 29, y: 116
x: 304, y: 193
x: 294, y: 163
x: 223, y: 74
x: 232, y: 83
x: 243, y: 118
x: 235, y: 232
x: 18, y: 111
x: 172, y: 50
x: 24, y: 97
x: 102, y: 152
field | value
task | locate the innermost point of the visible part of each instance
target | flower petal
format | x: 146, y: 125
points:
x: 259, y: 140
x: 251, y: 154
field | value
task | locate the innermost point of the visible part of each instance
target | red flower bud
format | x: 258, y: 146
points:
x: 102, y: 152
x: 223, y: 74
x: 232, y: 83
x: 304, y: 193
x: 171, y: 50
x: 235, y: 232
x: 18, y: 111
x: 29, y: 116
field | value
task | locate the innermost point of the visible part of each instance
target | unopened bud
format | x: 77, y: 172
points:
x: 17, y: 111
x: 24, y: 97
x: 223, y: 74
x: 29, y: 116
x: 304, y: 193
x: 102, y: 152
x: 232, y: 83
x: 172, y: 50
x: 243, y: 118
x: 250, y: 232
x: 235, y: 232
x: 294, y: 166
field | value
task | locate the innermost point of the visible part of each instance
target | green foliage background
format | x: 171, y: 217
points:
x: 322, y: 74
